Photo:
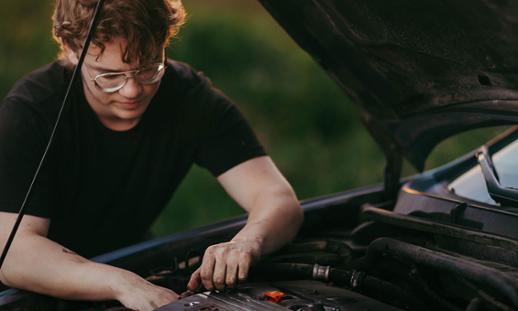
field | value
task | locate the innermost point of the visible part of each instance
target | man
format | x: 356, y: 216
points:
x: 134, y: 125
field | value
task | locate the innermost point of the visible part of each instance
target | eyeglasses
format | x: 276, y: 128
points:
x: 111, y: 82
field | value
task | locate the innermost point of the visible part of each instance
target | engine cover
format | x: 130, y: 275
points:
x: 295, y: 295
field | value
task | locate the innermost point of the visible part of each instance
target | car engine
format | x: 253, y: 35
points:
x: 388, y: 261
x: 294, y: 295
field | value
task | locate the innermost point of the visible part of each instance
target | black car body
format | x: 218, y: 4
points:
x: 445, y: 239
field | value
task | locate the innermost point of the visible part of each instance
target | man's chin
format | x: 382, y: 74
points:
x: 127, y: 115
x: 128, y: 105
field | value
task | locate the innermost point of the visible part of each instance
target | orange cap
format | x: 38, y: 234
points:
x: 274, y: 296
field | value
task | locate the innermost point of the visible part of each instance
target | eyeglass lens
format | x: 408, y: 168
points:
x: 111, y: 81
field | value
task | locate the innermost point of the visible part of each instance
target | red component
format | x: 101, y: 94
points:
x: 274, y: 296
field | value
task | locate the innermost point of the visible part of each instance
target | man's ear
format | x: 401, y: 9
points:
x: 71, y: 56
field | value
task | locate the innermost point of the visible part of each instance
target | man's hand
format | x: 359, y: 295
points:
x: 138, y: 294
x: 274, y: 217
x: 225, y: 264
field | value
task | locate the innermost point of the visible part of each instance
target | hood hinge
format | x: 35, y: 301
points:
x: 392, y: 175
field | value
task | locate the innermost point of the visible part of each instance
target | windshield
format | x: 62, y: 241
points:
x: 471, y: 184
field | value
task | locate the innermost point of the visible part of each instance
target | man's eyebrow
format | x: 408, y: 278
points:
x: 104, y: 69
x: 100, y: 68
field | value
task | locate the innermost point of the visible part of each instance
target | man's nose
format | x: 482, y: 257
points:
x: 131, y: 89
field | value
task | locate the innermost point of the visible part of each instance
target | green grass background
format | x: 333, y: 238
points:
x: 309, y: 128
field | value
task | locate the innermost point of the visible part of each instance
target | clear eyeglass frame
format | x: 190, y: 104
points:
x: 111, y: 82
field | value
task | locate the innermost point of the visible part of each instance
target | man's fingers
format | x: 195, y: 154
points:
x: 224, y: 264
x: 207, y: 270
x: 147, y: 297
x: 244, y: 266
x: 195, y: 280
x: 220, y: 269
x: 231, y: 273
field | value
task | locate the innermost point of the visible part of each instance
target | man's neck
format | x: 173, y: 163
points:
x: 118, y: 125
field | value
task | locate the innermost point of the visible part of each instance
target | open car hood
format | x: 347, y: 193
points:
x: 422, y: 71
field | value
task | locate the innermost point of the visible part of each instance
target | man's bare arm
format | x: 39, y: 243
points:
x: 274, y: 217
x: 38, y: 264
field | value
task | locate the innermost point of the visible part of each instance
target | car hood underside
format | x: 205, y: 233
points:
x: 422, y: 71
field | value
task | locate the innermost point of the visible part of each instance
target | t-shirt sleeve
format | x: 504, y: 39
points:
x: 225, y: 137
x: 21, y: 147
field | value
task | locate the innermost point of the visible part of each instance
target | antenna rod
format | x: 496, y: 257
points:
x: 75, y: 74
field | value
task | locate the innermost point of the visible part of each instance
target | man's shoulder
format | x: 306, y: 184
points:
x: 184, y: 78
x: 40, y: 85
x: 37, y: 95
x: 189, y: 97
x: 180, y: 69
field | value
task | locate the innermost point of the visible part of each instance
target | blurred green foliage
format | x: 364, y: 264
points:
x: 307, y: 125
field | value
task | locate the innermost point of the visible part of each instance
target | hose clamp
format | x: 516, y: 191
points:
x: 357, y: 278
x: 321, y: 273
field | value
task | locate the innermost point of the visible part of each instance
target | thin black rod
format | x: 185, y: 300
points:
x: 75, y: 74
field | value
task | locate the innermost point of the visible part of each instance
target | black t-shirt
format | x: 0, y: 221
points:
x: 102, y: 189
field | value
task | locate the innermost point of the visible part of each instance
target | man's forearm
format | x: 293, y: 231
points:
x: 274, y: 222
x: 38, y: 264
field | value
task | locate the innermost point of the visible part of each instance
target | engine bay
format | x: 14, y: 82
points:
x: 354, y: 252
x: 388, y: 261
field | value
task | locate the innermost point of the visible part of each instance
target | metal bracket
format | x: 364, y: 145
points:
x: 392, y: 175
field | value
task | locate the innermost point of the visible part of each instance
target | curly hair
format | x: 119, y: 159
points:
x: 146, y: 25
